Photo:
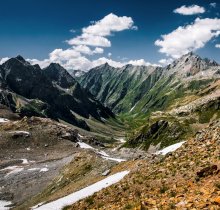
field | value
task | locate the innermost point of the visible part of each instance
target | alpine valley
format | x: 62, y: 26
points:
x: 134, y: 137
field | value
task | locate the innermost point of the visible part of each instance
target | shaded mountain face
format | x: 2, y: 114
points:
x: 51, y: 92
x: 120, y: 88
x: 141, y: 89
x: 60, y: 75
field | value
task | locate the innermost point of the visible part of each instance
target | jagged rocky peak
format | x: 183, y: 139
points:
x: 105, y: 66
x: 191, y: 64
x: 56, y: 66
x: 20, y: 58
x: 194, y: 60
x: 59, y: 75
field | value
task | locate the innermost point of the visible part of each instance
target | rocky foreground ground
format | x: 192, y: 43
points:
x: 42, y: 160
x: 188, y: 178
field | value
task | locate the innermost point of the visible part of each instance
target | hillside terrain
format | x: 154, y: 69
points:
x: 120, y: 88
x: 161, y: 106
x: 185, y: 179
x: 136, y: 137
x: 51, y: 92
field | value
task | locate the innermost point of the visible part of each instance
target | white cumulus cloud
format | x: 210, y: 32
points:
x: 95, y: 34
x: 141, y: 62
x: 217, y: 45
x: 91, y: 40
x: 190, y: 10
x: 98, y: 50
x: 63, y: 55
x: 87, y: 50
x: 189, y: 38
x: 165, y: 61
x: 107, y: 25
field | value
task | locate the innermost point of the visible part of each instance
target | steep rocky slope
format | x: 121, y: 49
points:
x: 185, y: 179
x: 141, y: 89
x: 32, y: 151
x: 184, y: 77
x: 183, y: 118
x: 160, y: 106
x: 120, y: 88
x: 51, y: 92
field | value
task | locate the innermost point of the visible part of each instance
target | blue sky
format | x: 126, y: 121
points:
x: 36, y: 28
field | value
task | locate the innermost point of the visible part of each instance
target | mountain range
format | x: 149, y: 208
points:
x: 156, y: 102
x: 133, y: 93
x: 51, y: 92
x: 142, y: 88
x: 63, y: 131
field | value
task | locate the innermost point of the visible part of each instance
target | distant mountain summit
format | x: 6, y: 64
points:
x: 143, y: 88
x: 190, y: 65
x: 120, y: 88
x: 51, y: 92
x: 59, y: 75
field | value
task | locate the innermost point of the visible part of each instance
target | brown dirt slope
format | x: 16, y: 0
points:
x: 189, y: 178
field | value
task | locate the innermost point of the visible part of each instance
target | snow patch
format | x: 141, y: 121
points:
x: 4, y: 204
x: 3, y: 120
x: 122, y: 140
x: 103, y: 119
x: 171, y: 148
x: 33, y: 169
x: 38, y: 205
x: 114, y: 159
x: 12, y: 169
x: 132, y: 108
x: 103, y: 153
x: 83, y: 193
x: 84, y: 145
x: 80, y: 135
x: 20, y: 133
x: 25, y: 161
x: 44, y: 169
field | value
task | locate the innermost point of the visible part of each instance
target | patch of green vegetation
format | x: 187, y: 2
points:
x: 217, y: 185
x: 128, y: 206
x: 163, y: 189
x: 209, y: 111
x: 90, y: 200
x: 164, y: 130
x: 34, y: 108
x: 198, y: 84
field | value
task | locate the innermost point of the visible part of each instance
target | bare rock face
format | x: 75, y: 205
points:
x: 59, y: 75
x: 51, y: 92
